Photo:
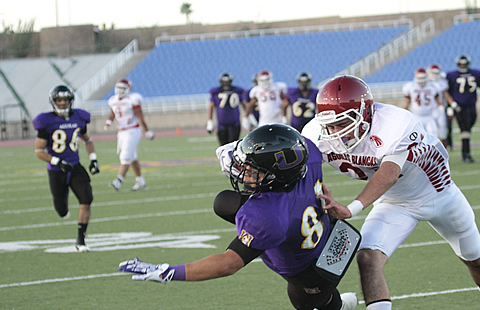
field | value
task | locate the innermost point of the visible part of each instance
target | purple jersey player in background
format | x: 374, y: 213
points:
x: 57, y: 144
x: 226, y: 100
x: 301, y: 100
x: 462, y: 98
x: 278, y: 217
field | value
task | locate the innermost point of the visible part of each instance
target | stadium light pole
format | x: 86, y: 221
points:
x: 56, y: 13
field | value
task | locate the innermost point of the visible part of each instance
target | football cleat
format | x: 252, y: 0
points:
x: 82, y: 248
x: 66, y: 216
x: 139, y: 185
x: 349, y: 301
x: 116, y: 185
x: 467, y: 158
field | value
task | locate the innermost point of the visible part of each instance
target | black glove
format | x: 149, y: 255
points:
x: 65, y: 166
x: 93, y: 167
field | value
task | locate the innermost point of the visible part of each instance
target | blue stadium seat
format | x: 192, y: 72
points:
x: 192, y: 67
x: 443, y: 49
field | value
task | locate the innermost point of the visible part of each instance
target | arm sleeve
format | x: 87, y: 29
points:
x: 398, y: 159
x: 246, y: 253
x: 42, y: 133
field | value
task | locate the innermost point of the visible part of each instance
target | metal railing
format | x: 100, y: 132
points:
x: 103, y: 76
x: 279, y: 31
x: 163, y: 104
x: 393, y: 50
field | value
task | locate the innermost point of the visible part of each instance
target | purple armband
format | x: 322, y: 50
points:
x: 179, y: 274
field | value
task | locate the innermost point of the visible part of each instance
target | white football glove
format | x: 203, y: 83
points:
x: 246, y: 123
x: 224, y: 154
x: 149, y: 135
x: 284, y: 120
x: 210, y: 126
x: 107, y: 124
x: 146, y: 271
x: 253, y: 121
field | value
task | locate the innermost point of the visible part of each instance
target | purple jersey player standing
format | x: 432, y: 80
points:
x: 226, y: 100
x: 278, y: 217
x: 301, y: 101
x: 462, y: 98
x: 57, y: 144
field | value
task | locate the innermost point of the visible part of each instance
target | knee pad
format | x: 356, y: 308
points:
x: 465, y: 135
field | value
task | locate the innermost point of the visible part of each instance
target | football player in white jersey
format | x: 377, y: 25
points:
x: 268, y: 95
x: 444, y: 120
x: 126, y: 109
x: 407, y: 174
x: 423, y: 100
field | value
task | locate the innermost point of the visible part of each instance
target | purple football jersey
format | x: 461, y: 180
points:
x: 63, y: 134
x: 227, y: 105
x: 463, y: 86
x: 303, y: 108
x: 291, y: 227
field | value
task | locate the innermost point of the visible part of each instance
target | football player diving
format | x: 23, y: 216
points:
x: 276, y: 174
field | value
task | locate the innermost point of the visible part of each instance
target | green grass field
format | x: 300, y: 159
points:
x: 173, y: 222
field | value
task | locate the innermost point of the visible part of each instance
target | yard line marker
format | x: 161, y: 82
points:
x: 93, y: 276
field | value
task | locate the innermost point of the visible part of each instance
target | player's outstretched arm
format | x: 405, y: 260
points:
x: 211, y: 267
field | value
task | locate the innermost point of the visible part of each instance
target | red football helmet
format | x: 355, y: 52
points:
x: 122, y: 88
x: 265, y: 79
x: 434, y: 72
x: 343, y: 98
x: 420, y: 77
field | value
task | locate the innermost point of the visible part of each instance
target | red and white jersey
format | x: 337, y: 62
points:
x: 269, y: 102
x: 123, y: 109
x: 441, y: 86
x: 426, y: 171
x: 422, y: 99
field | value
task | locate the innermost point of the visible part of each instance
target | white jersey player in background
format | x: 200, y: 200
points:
x: 444, y: 121
x: 423, y: 100
x: 269, y: 96
x: 407, y: 174
x: 126, y: 109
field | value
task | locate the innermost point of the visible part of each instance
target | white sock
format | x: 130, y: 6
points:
x: 381, y: 305
x: 140, y: 179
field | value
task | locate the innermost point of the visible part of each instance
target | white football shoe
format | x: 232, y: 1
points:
x: 116, y: 185
x: 139, y: 185
x: 349, y: 301
x: 82, y: 248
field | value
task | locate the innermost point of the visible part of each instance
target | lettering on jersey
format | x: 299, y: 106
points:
x: 377, y: 141
x: 245, y: 237
x: 431, y: 161
x: 68, y: 126
x: 357, y: 160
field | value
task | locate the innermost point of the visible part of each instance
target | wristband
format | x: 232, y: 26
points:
x: 179, y: 274
x: 454, y: 104
x: 55, y: 160
x: 355, y: 207
x: 92, y: 156
x: 108, y: 122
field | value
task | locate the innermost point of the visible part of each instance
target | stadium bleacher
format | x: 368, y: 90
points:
x: 192, y: 67
x: 461, y: 38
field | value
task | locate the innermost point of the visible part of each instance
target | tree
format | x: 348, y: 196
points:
x: 20, y: 41
x: 186, y: 9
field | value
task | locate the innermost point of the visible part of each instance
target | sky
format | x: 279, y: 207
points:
x: 148, y: 13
